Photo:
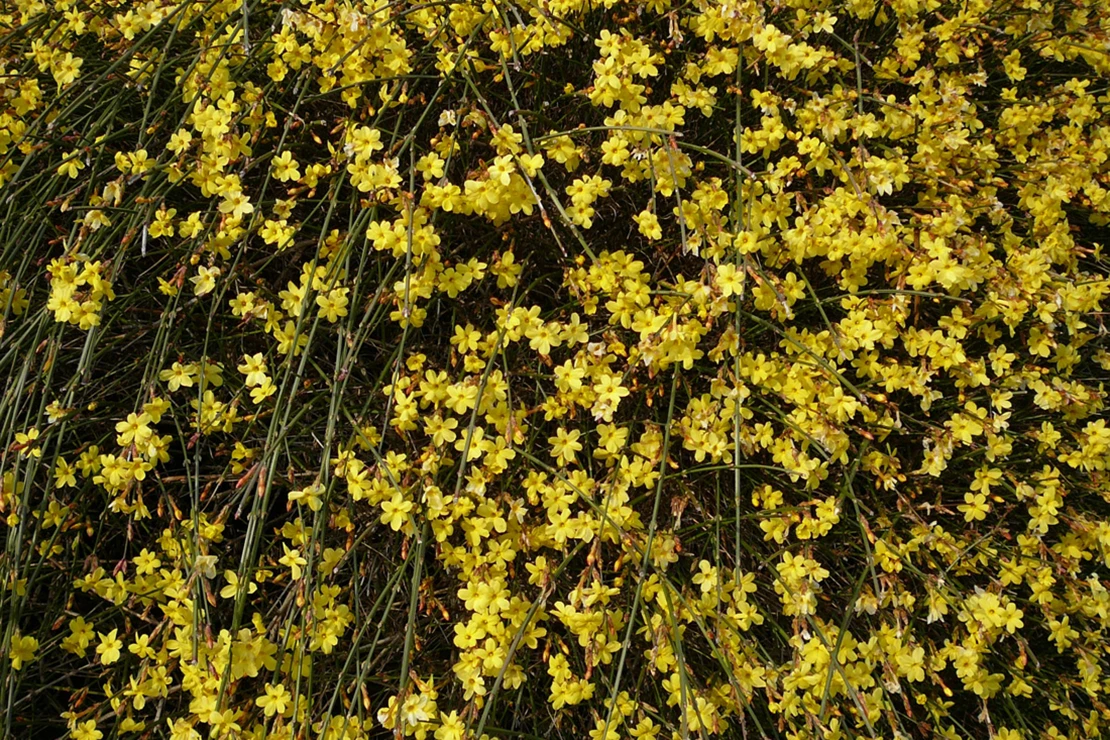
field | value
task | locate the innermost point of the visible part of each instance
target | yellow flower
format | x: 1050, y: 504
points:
x: 395, y: 511
x: 26, y: 443
x: 975, y: 508
x: 294, y: 561
x: 442, y: 431
x: 311, y: 495
x: 64, y: 474
x: 237, y: 204
x: 648, y: 224
x: 66, y: 68
x: 730, y: 280
x: 86, y: 731
x: 333, y: 304
x: 179, y: 376
x: 81, y: 634
x: 451, y: 727
x: 543, y: 337
x: 284, y: 167
x: 706, y: 577
x: 275, y: 701
x: 204, y: 281
x: 22, y: 650
x: 141, y: 647
x: 72, y: 165
x: 133, y: 429
x: 109, y: 647
x: 263, y: 390
x: 254, y: 367
x: 565, y: 445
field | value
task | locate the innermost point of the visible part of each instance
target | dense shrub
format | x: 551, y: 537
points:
x: 554, y: 369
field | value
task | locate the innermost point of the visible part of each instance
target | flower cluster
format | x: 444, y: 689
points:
x: 634, y: 368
